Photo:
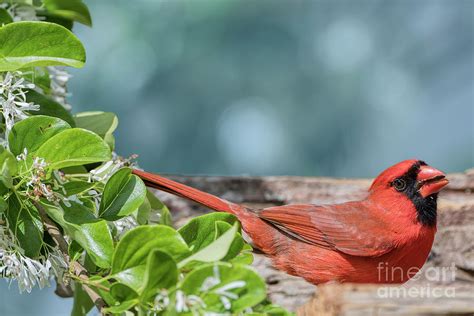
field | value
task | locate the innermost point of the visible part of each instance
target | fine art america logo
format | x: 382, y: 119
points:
x: 435, y: 282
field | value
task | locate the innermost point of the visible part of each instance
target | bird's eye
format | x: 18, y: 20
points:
x: 399, y: 184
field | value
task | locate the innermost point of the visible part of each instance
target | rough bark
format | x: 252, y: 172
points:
x: 454, y: 241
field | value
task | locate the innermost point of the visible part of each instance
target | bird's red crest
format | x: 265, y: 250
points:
x: 389, y: 174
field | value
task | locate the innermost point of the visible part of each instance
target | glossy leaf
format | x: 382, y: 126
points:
x: 200, y: 231
x: 8, y: 160
x: 236, y: 245
x: 5, y: 17
x: 74, y: 170
x: 74, y: 10
x: 39, y: 76
x: 134, y: 247
x: 82, y: 302
x: 158, y: 272
x: 55, y: 19
x: 104, y: 289
x: 25, y: 222
x: 76, y: 187
x: 214, y: 251
x: 270, y: 310
x: 3, y: 205
x: 123, y: 194
x: 8, y: 168
x: 75, y: 251
x: 74, y: 147
x: 143, y: 212
x: 101, y: 123
x: 161, y: 273
x: 122, y: 292
x: 88, y: 231
x: 154, y: 211
x: 132, y: 277
x: 122, y: 307
x: 49, y: 107
x: 245, y: 256
x: 210, y: 281
x: 33, y: 131
x: 29, y: 44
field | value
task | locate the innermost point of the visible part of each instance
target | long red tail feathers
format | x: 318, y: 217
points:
x: 179, y: 189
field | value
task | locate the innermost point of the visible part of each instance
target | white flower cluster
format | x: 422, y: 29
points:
x: 105, y: 171
x: 125, y: 224
x: 224, y: 291
x: 20, y: 12
x: 194, y: 304
x: 186, y: 303
x: 13, y: 99
x: 59, y: 78
x: 26, y: 271
x: 36, y: 188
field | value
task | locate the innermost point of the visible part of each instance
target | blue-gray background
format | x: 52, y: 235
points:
x: 333, y: 88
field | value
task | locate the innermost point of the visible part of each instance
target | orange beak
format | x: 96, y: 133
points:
x: 430, y: 181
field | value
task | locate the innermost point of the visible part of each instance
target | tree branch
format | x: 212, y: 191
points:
x: 62, y: 244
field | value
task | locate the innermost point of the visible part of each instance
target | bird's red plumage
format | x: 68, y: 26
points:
x: 377, y: 240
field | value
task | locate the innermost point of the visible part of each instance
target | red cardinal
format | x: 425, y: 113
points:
x: 385, y: 238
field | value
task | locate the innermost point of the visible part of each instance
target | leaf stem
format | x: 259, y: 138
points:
x: 92, y: 283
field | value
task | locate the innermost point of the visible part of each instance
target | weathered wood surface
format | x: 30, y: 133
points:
x: 454, y: 243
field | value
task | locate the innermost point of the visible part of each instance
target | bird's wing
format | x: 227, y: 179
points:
x: 350, y: 227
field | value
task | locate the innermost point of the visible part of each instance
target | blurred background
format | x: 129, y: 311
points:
x: 310, y: 88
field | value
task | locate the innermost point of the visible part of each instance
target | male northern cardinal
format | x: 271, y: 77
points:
x: 385, y: 238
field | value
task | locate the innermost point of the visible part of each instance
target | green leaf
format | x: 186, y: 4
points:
x: 76, y: 187
x: 123, y: 194
x: 101, y: 123
x: 132, y: 277
x: 161, y: 273
x: 75, y: 251
x: 33, y: 131
x: 82, y: 302
x: 143, y: 212
x: 40, y: 77
x: 237, y: 279
x: 74, y: 170
x: 3, y: 205
x: 5, y: 17
x: 8, y: 167
x: 216, y: 250
x: 158, y: 272
x: 134, y: 247
x: 110, y: 140
x: 29, y: 44
x: 200, y: 231
x: 49, y: 107
x: 236, y: 245
x: 122, y: 307
x: 154, y: 210
x: 126, y: 297
x: 245, y: 256
x: 103, y: 290
x: 25, y: 222
x: 74, y: 10
x: 88, y: 231
x: 122, y: 292
x: 270, y: 309
x: 8, y: 160
x: 74, y: 147
x: 55, y: 19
